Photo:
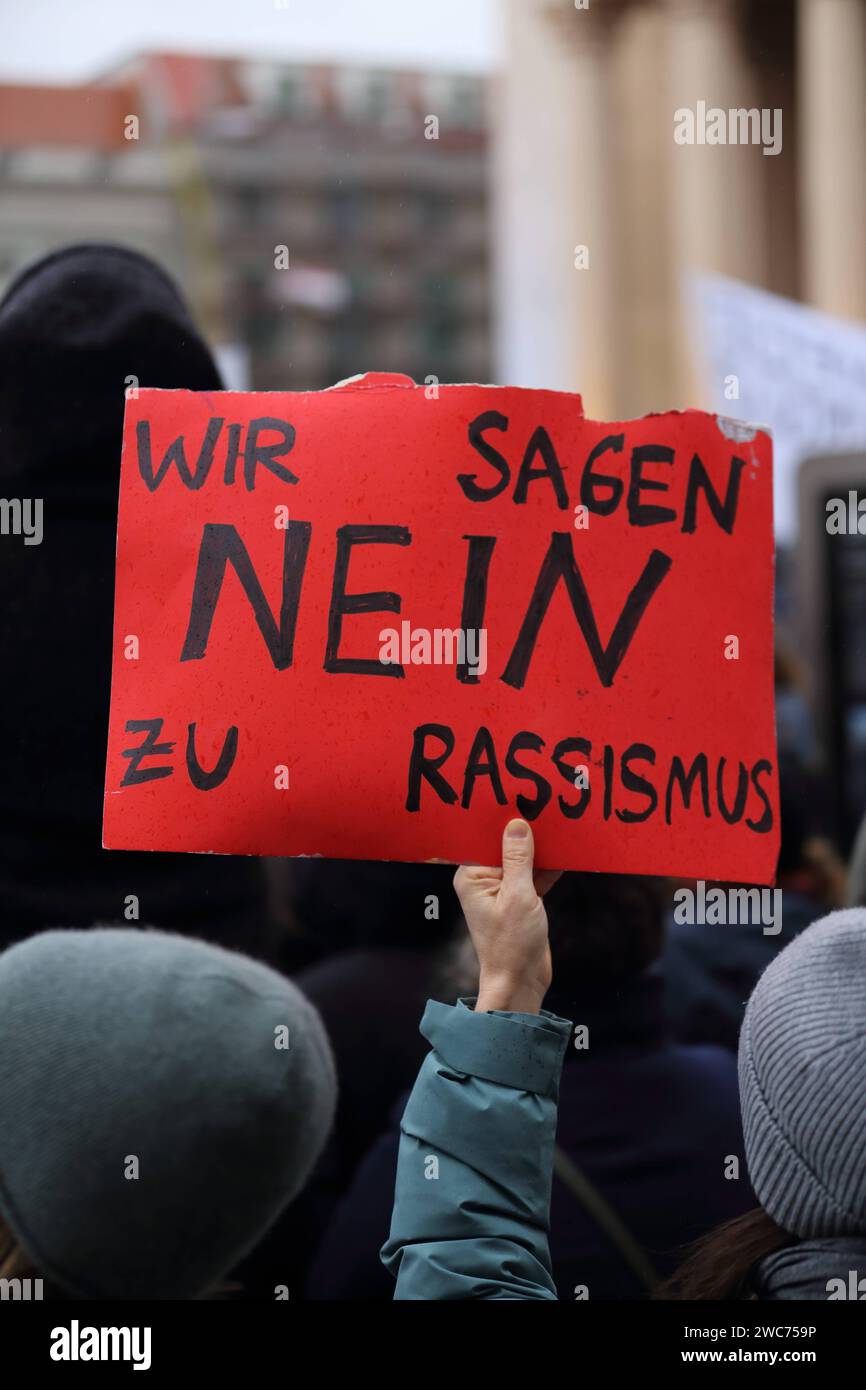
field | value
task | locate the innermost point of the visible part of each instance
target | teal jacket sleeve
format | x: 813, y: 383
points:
x: 472, y: 1198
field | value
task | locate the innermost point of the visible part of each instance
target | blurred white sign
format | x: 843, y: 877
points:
x: 801, y: 372
x: 233, y: 360
x: 313, y: 287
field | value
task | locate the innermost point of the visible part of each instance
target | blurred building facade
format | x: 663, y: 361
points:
x: 610, y: 231
x: 585, y: 156
x: 324, y: 220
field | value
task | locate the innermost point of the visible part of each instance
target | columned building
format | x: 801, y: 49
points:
x: 585, y: 156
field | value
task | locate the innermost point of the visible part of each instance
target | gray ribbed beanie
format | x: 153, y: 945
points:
x: 121, y: 1044
x: 803, y: 1081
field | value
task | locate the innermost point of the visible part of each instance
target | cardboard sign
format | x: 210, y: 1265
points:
x: 375, y: 622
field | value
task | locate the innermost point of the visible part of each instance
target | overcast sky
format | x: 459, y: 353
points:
x: 59, y: 41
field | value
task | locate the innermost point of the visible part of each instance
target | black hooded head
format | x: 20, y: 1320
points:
x: 76, y: 329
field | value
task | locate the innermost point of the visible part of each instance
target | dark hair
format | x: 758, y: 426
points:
x: 604, y: 929
x: 719, y: 1266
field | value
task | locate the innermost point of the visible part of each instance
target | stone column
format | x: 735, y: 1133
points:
x: 590, y: 218
x: 553, y: 180
x: 646, y: 287
x: 718, y: 191
x: 832, y: 71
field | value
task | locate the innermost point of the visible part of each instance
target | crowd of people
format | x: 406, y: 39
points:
x: 290, y: 1078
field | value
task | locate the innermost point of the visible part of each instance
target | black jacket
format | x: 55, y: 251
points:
x: 76, y: 329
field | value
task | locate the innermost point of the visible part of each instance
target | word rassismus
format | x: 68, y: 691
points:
x: 719, y: 788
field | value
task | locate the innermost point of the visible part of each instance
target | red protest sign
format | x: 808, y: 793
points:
x: 376, y: 621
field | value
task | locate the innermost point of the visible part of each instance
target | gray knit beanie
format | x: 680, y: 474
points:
x: 123, y: 1045
x: 803, y: 1081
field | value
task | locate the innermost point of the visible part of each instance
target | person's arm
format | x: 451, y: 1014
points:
x: 472, y: 1198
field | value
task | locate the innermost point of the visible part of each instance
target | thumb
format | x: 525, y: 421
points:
x: 517, y: 855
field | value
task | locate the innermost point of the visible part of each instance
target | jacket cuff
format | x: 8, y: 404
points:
x: 525, y: 1051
